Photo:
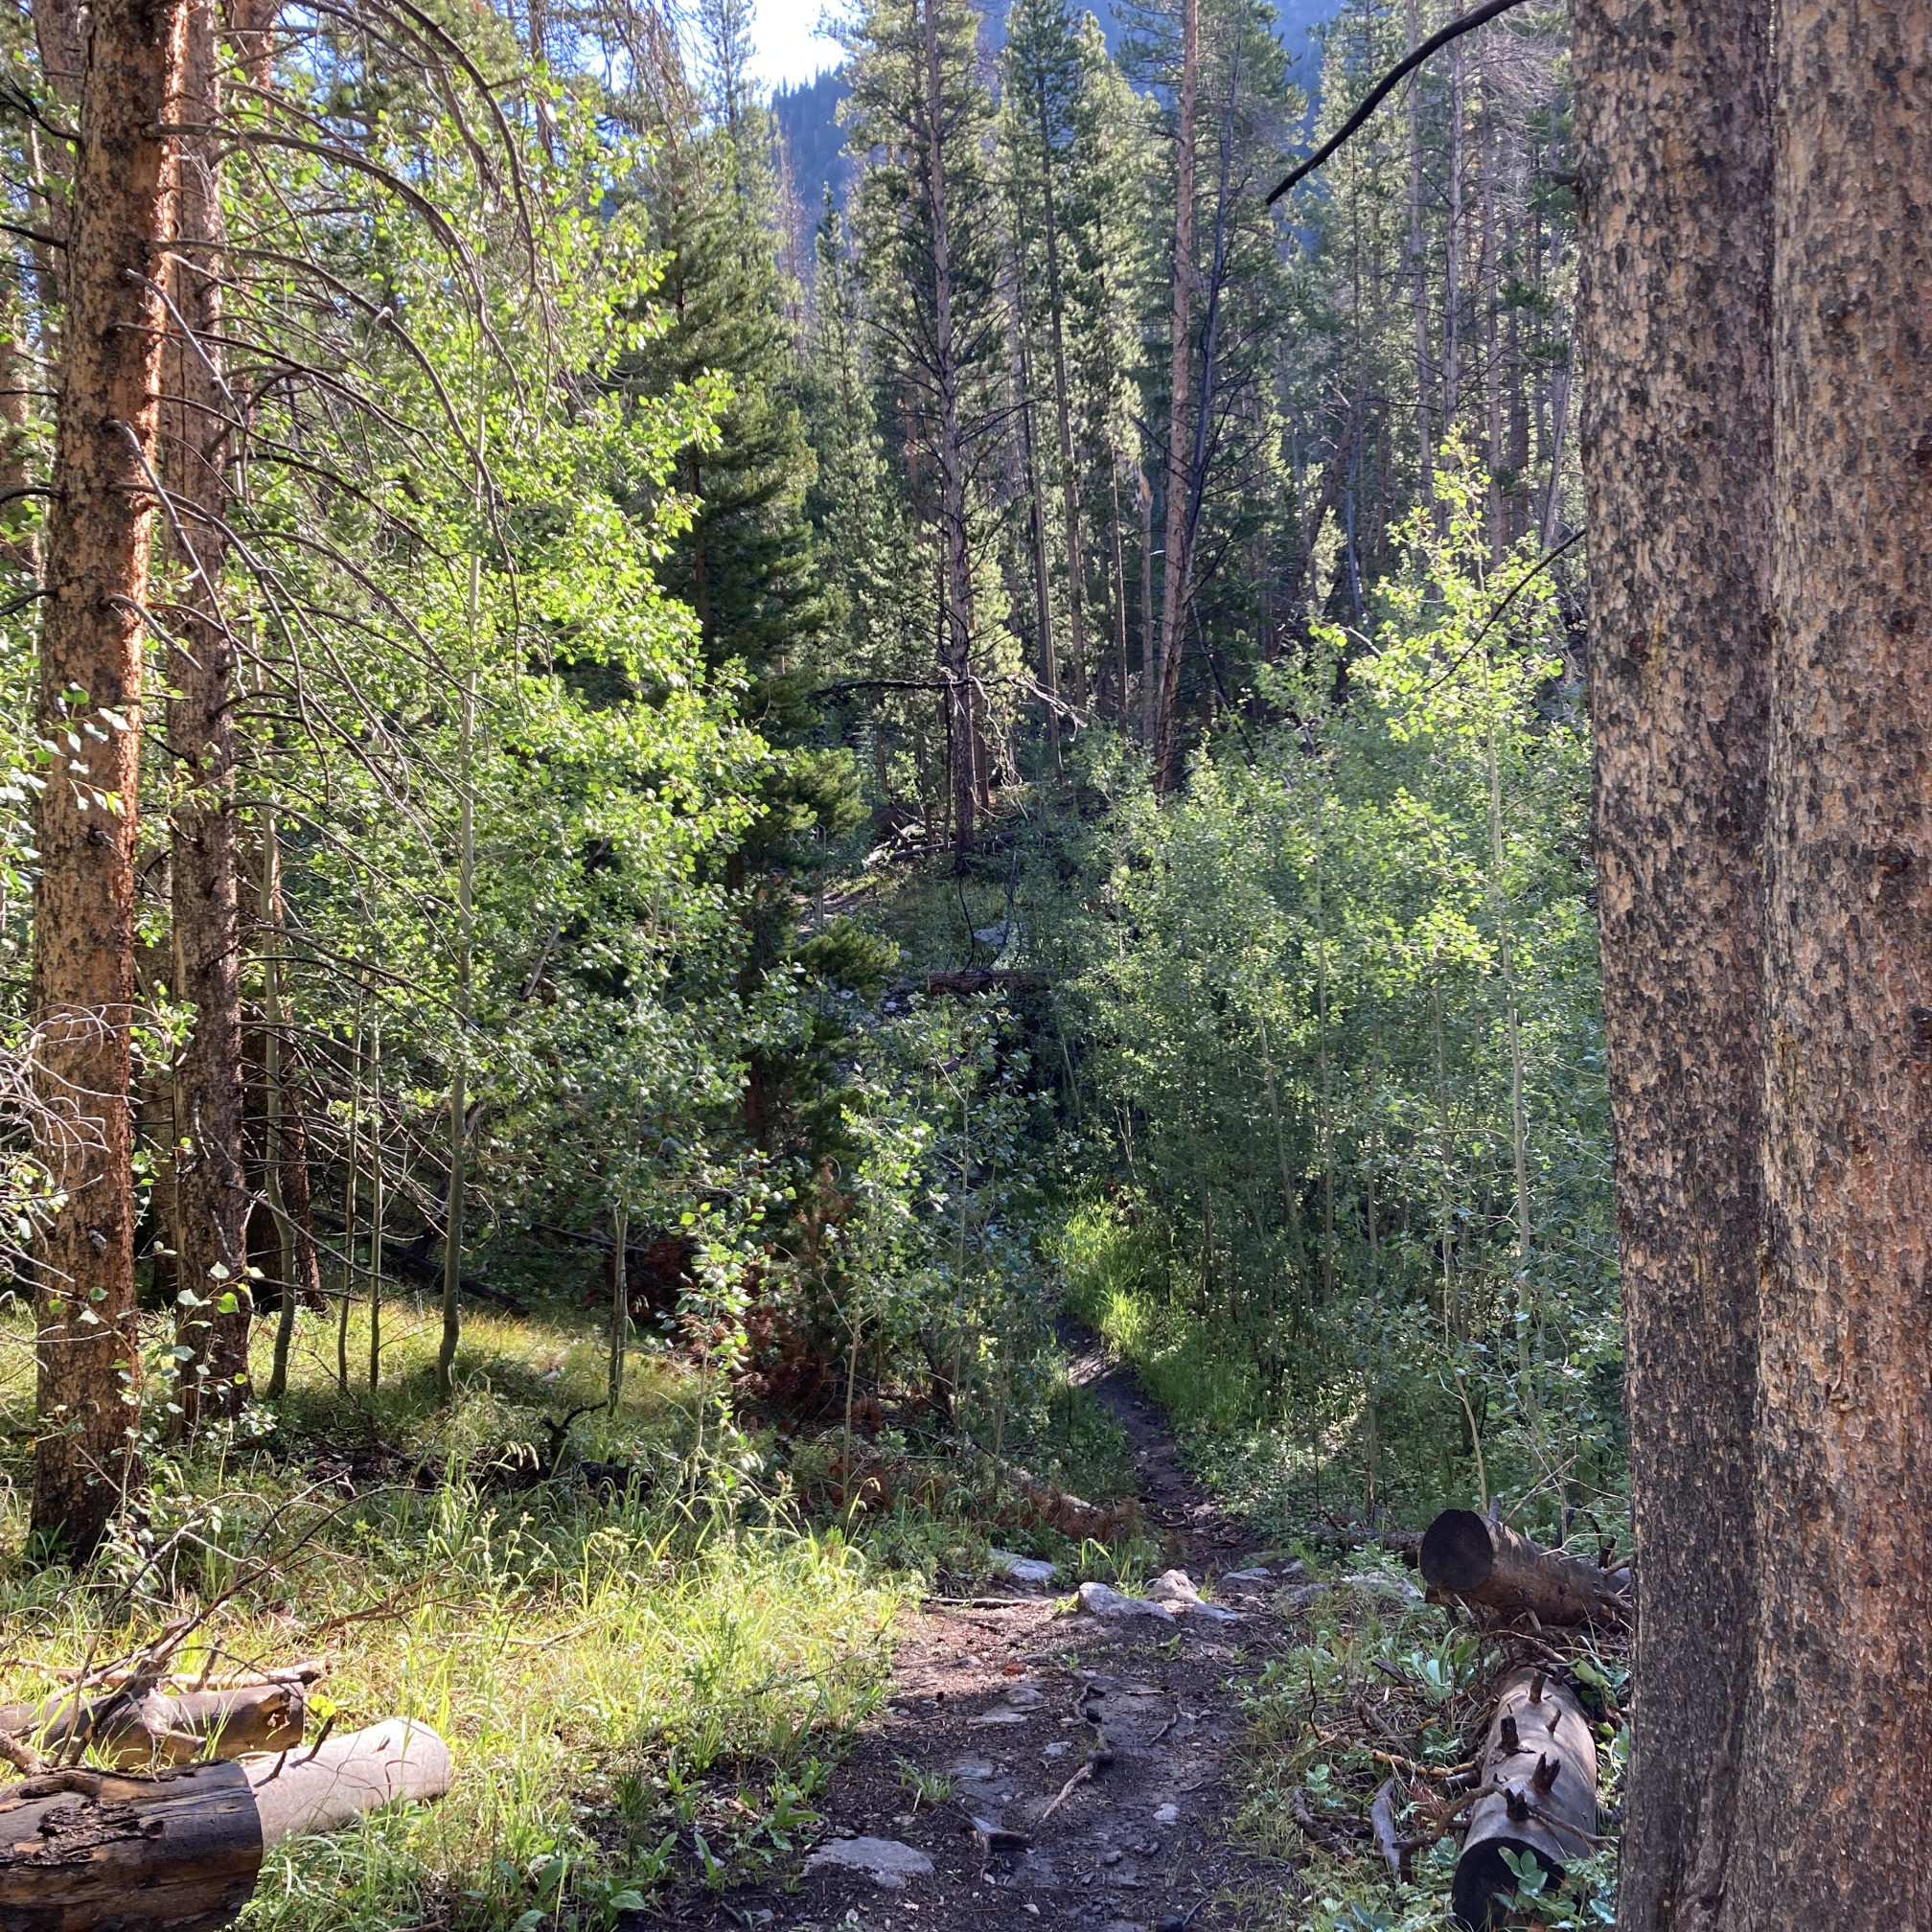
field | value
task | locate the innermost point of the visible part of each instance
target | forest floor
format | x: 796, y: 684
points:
x: 1032, y: 1767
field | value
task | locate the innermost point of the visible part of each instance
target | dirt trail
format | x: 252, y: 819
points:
x: 1041, y: 1770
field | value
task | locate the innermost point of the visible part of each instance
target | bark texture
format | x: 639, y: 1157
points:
x: 211, y: 1229
x: 91, y: 641
x: 89, y: 1852
x: 1839, y: 1726
x: 1674, y: 123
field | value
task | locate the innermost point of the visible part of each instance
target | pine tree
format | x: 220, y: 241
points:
x: 926, y: 220
x: 746, y: 563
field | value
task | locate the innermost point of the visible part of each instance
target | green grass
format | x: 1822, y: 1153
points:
x: 632, y: 1684
x: 1203, y: 1381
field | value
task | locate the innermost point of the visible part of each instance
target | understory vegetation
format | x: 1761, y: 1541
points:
x: 755, y: 794
x: 646, y: 1656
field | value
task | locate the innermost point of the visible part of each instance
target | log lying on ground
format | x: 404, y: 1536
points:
x: 324, y: 1786
x: 1540, y: 1762
x: 136, y: 1732
x: 1486, y: 1563
x: 966, y: 981
x: 97, y: 1851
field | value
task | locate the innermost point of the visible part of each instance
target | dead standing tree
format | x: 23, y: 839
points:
x: 92, y: 662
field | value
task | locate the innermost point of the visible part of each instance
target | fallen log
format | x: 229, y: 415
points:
x: 1488, y: 1564
x: 1537, y: 1774
x: 339, y: 1778
x: 98, y: 1851
x: 138, y: 1731
x: 966, y: 981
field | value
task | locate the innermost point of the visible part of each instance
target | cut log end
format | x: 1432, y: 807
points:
x: 1458, y: 1553
x: 1475, y: 1561
x: 100, y: 1851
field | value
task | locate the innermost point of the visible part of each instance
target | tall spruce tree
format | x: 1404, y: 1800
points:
x: 927, y: 224
x: 745, y: 564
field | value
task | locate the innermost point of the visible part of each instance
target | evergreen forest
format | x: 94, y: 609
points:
x: 773, y: 870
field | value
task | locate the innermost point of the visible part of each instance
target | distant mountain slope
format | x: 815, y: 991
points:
x: 814, y: 142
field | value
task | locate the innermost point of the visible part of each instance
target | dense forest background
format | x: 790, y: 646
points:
x: 907, y: 750
x: 710, y: 765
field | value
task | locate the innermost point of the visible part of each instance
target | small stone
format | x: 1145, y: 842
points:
x: 1381, y: 1581
x: 1027, y: 1697
x: 1029, y: 1570
x: 1098, y: 1600
x: 974, y: 1769
x: 1168, y: 1814
x: 1059, y: 1748
x: 1000, y: 1713
x: 1173, y: 1586
x: 887, y: 1862
x: 1208, y: 1613
x: 1247, y: 1576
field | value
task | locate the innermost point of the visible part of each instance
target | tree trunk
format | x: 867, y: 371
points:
x: 91, y: 1852
x: 298, y: 1196
x: 20, y: 547
x: 1295, y: 612
x: 1674, y: 131
x: 1542, y: 1760
x: 131, y: 1732
x: 91, y: 642
x: 1419, y: 272
x: 1036, y: 521
x: 1118, y: 560
x: 955, y: 639
x: 1165, y: 696
x: 1838, y: 1728
x: 211, y: 1232
x: 1070, y: 476
x: 1452, y: 250
x: 1143, y: 497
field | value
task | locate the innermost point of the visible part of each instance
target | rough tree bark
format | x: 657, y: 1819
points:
x: 1838, y: 1727
x: 91, y: 641
x: 1674, y: 129
x: 1164, y: 694
x: 211, y: 1232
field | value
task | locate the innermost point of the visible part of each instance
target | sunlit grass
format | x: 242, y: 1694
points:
x: 593, y: 1659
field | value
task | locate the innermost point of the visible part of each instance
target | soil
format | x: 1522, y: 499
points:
x: 1090, y: 1766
